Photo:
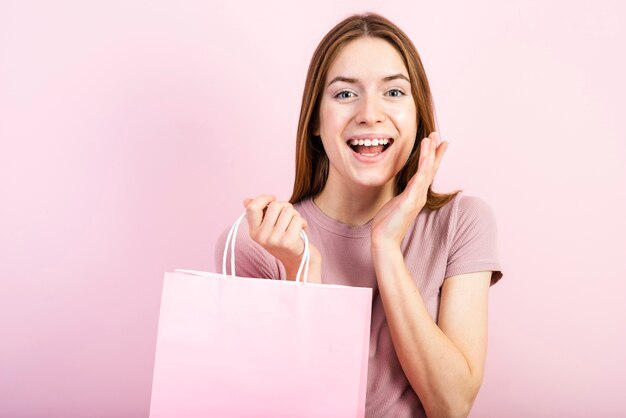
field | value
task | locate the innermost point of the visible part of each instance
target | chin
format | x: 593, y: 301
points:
x: 373, y: 183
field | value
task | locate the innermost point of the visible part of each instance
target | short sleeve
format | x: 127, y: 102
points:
x: 251, y: 259
x: 473, y: 239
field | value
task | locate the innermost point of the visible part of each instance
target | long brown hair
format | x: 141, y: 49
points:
x: 311, y: 159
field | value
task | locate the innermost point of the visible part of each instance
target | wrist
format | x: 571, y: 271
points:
x: 384, y: 247
x: 315, y: 268
x: 292, y: 266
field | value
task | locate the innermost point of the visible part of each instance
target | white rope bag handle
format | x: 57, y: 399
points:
x: 232, y: 235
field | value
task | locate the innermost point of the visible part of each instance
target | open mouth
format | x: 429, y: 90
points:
x: 368, y: 147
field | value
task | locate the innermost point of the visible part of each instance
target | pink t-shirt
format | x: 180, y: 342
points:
x: 459, y: 238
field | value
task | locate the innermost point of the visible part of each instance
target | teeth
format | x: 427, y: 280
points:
x: 370, y: 142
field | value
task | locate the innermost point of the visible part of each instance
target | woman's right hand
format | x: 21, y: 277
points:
x: 276, y: 227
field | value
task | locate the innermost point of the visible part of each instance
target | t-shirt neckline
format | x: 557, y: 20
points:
x: 332, y: 225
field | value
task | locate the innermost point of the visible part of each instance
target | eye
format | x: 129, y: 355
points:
x: 399, y: 91
x: 343, y: 92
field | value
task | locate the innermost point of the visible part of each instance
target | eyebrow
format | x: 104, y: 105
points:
x: 354, y: 80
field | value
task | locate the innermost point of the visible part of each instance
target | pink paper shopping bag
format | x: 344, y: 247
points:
x: 230, y: 346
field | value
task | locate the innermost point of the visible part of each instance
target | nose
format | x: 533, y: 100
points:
x: 370, y: 111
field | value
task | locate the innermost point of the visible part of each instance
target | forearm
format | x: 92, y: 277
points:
x: 435, y: 367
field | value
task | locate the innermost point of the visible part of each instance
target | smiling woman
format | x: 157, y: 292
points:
x: 380, y: 101
x: 366, y: 156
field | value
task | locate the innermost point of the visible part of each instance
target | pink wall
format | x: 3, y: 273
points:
x: 131, y: 132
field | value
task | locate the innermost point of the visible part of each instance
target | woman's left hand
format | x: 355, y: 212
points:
x: 392, y: 221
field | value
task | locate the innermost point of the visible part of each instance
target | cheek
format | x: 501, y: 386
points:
x: 334, y: 116
x: 406, y: 117
x: 407, y: 127
x: 404, y: 154
x: 409, y: 150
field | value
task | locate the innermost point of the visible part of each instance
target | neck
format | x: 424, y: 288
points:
x: 353, y: 205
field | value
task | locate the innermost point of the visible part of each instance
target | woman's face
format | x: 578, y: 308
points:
x: 367, y: 96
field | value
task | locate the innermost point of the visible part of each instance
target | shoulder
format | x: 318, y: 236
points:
x: 465, y: 211
x: 462, y: 208
x: 306, y: 209
x: 464, y: 203
x: 473, y: 204
x: 303, y: 206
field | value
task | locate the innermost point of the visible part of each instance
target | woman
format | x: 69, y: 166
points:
x: 366, y: 157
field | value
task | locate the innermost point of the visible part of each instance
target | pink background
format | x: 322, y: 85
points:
x: 132, y: 131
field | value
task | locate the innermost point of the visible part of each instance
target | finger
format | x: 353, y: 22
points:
x: 434, y: 136
x: 246, y: 201
x: 440, y: 144
x: 441, y: 150
x: 254, y: 210
x: 297, y: 219
x: 270, y: 218
x: 421, y: 165
x: 431, y: 155
x: 293, y: 231
x: 432, y: 144
x: 284, y: 217
x: 416, y: 182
